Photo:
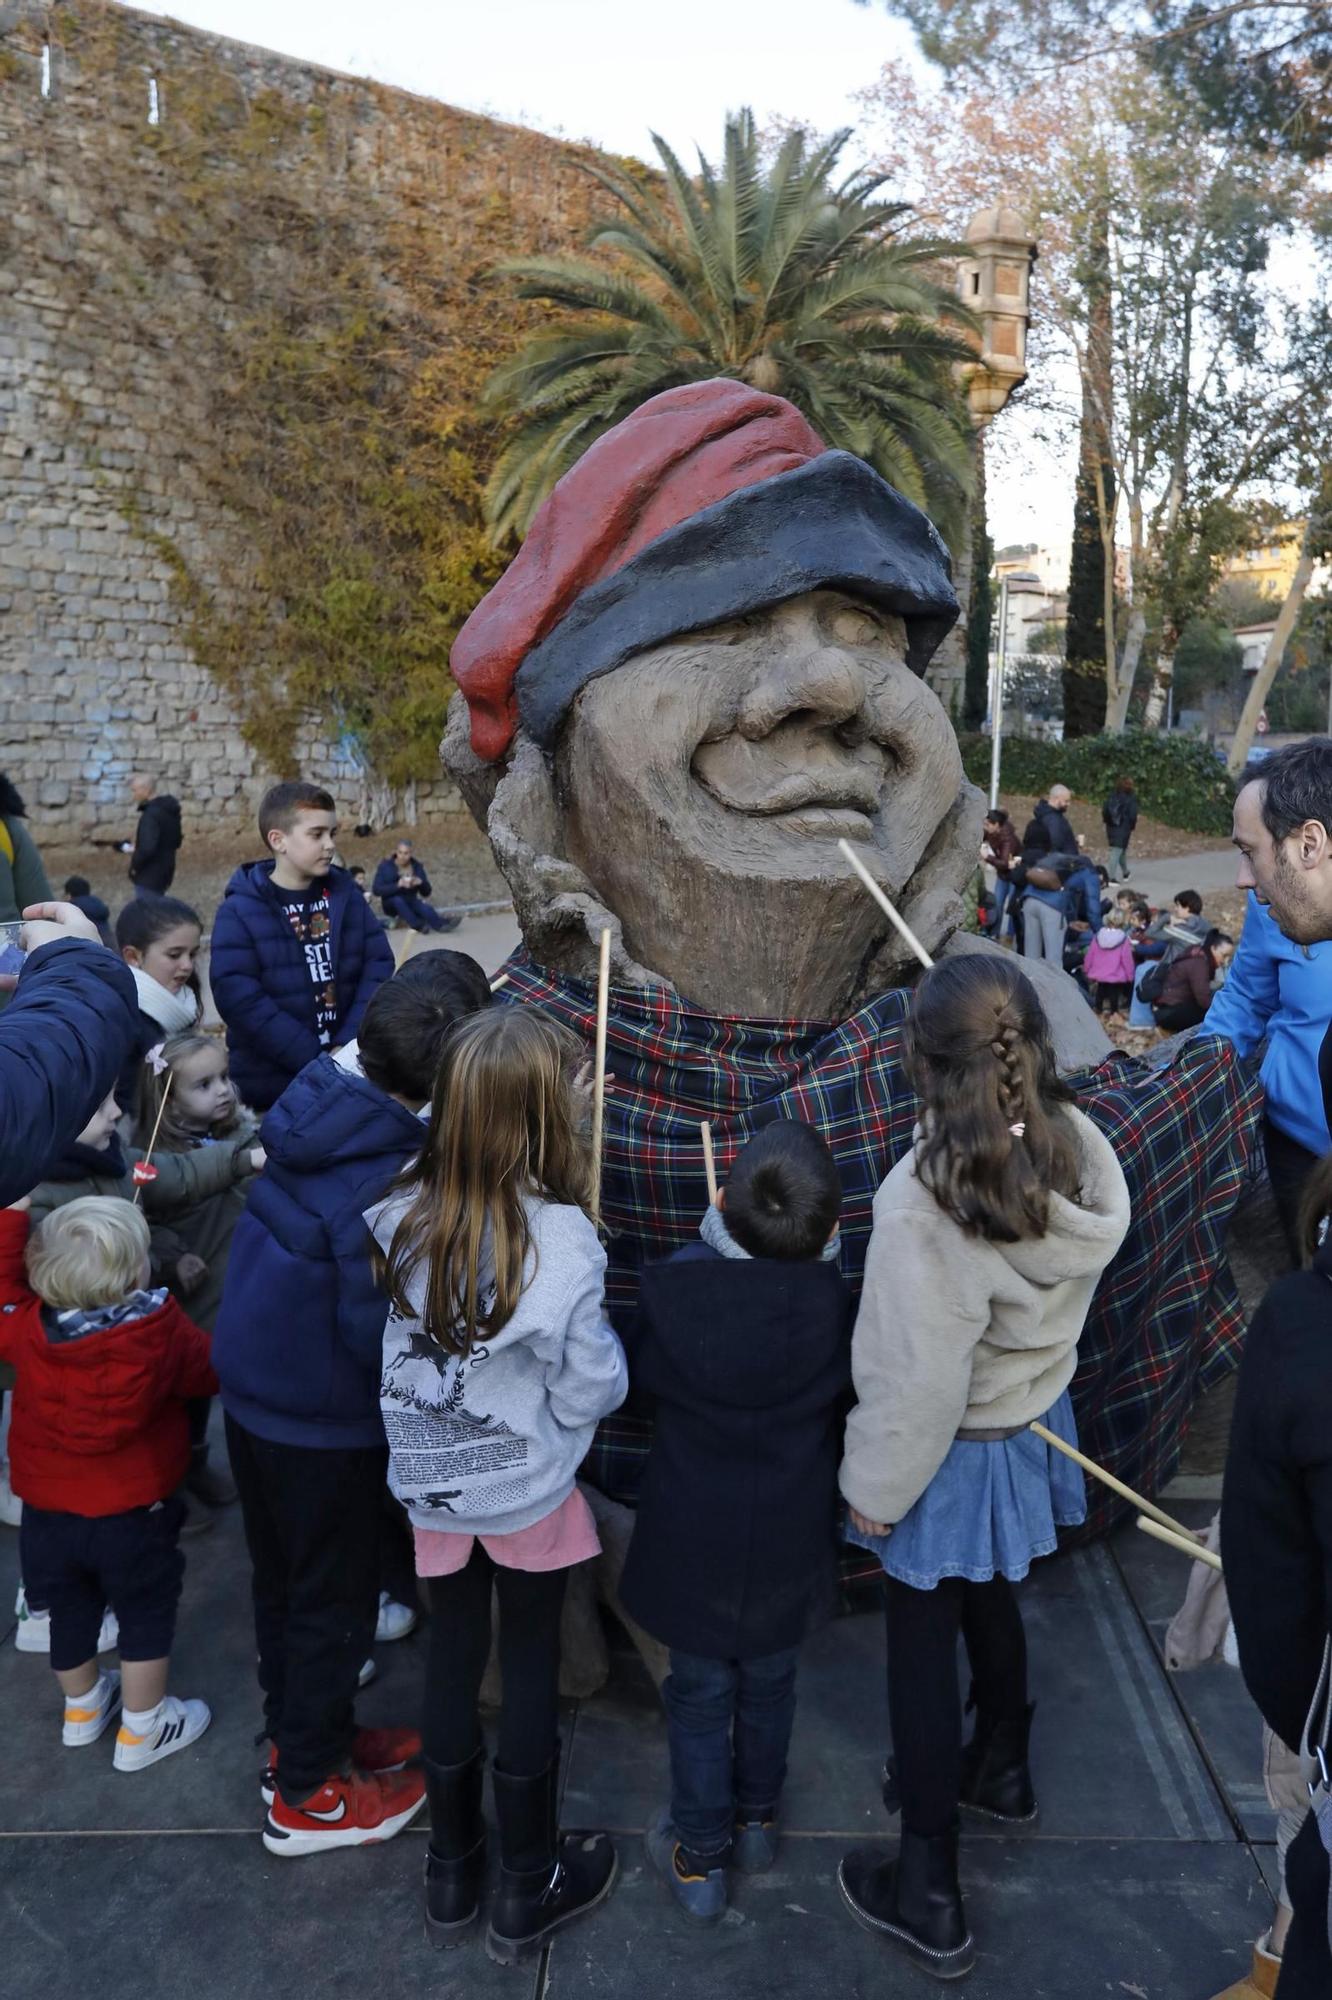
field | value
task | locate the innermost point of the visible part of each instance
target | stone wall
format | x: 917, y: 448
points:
x: 99, y: 499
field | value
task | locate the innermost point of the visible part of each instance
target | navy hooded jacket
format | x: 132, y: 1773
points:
x: 299, y: 1335
x: 747, y: 1363
x: 63, y: 1038
x: 262, y: 986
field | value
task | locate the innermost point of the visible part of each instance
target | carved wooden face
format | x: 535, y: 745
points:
x: 704, y: 784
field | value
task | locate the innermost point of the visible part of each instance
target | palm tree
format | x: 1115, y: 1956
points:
x: 777, y: 276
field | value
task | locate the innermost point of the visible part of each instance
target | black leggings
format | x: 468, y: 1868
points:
x: 923, y: 1707
x: 530, y: 1602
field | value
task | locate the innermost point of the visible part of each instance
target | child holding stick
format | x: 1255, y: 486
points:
x: 989, y: 1239
x: 498, y: 1363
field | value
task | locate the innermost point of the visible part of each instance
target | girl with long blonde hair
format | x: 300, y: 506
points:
x: 498, y: 1363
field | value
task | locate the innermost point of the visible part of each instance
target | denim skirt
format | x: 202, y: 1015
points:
x: 989, y: 1510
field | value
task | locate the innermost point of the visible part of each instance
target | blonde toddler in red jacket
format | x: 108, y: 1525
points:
x: 99, y: 1442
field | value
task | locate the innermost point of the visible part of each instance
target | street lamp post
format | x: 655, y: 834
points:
x: 994, y: 279
x: 997, y: 711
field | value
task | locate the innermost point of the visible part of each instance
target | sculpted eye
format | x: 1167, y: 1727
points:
x: 856, y: 624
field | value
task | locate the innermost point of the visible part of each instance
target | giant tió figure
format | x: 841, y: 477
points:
x: 705, y: 666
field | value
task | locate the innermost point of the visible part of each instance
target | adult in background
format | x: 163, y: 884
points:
x: 1276, y: 1544
x: 1049, y: 830
x: 1186, y: 989
x: 152, y: 866
x: 1279, y: 989
x: 22, y: 876
x: 403, y: 887
x: 62, y: 1042
x: 1000, y: 847
x: 1119, y: 816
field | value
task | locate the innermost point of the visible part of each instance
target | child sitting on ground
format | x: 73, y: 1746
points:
x: 498, y: 1363
x: 158, y: 938
x: 990, y: 1236
x: 98, y: 1444
x: 743, y: 1344
x: 296, y: 951
x: 298, y: 1349
x: 186, y: 1080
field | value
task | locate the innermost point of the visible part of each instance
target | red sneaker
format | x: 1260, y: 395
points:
x: 358, y: 1811
x: 378, y: 1751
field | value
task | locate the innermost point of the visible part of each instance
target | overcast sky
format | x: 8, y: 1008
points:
x: 613, y: 72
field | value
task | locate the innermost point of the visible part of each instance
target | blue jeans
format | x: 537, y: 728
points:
x: 1003, y: 895
x: 729, y: 1727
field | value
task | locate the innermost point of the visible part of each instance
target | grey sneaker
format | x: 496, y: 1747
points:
x: 754, y: 1848
x: 701, y: 1897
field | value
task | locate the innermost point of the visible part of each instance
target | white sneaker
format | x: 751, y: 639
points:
x: 11, y: 1507
x: 33, y: 1632
x: 367, y: 1674
x: 395, y: 1620
x: 179, y: 1723
x: 86, y: 1719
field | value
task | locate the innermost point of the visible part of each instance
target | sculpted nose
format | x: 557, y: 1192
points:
x: 823, y: 681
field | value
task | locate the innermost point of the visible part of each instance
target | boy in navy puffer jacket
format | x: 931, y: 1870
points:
x: 297, y: 1349
x: 296, y: 951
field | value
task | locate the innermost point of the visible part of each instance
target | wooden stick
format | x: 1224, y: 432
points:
x: 709, y: 1164
x: 1184, y: 1543
x: 599, y: 1080
x: 1108, y: 1479
x: 495, y: 984
x: 147, y: 1158
x: 899, y: 923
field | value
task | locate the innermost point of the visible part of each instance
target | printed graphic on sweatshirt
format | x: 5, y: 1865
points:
x: 440, y: 1450
x: 311, y: 922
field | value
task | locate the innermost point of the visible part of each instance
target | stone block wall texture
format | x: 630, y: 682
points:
x: 97, y: 675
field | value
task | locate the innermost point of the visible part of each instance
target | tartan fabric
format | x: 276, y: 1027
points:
x: 1165, y: 1322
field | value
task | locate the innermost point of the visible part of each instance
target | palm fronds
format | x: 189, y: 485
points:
x: 777, y: 274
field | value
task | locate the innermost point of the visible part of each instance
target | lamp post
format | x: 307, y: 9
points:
x: 994, y: 280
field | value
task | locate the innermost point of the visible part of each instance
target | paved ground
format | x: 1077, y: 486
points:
x: 1146, y: 1876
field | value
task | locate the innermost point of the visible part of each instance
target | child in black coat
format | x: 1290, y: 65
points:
x: 743, y: 1343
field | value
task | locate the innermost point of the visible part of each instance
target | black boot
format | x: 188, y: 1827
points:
x: 913, y: 1902
x: 456, y: 1856
x: 546, y: 1878
x: 996, y: 1777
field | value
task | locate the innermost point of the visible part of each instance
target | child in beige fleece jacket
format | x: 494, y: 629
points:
x: 989, y: 1239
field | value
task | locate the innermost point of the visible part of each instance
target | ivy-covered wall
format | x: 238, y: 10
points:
x: 243, y: 319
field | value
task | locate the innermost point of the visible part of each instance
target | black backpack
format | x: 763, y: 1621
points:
x: 1152, y: 983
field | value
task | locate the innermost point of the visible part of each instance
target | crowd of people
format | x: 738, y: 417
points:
x: 368, y: 1223
x: 1141, y: 968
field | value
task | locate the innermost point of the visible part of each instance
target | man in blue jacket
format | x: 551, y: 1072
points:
x: 403, y: 887
x: 297, y: 951
x: 63, y: 1039
x: 1279, y: 988
x: 298, y: 1350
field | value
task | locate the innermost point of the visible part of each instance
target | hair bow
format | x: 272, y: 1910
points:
x: 157, y: 1058
x: 1018, y: 1130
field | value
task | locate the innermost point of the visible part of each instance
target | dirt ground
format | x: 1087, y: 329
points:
x: 455, y: 852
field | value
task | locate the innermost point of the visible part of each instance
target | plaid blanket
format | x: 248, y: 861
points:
x: 1166, y: 1320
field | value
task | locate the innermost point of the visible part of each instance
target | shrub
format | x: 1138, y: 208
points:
x: 1179, y: 779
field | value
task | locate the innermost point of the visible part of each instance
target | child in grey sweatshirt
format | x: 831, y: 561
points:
x: 498, y: 1362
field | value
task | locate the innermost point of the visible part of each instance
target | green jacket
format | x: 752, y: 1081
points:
x: 22, y: 876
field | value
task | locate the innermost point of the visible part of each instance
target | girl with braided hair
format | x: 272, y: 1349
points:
x: 989, y: 1239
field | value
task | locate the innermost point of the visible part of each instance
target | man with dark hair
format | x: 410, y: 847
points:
x: 296, y: 952
x: 1279, y: 990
